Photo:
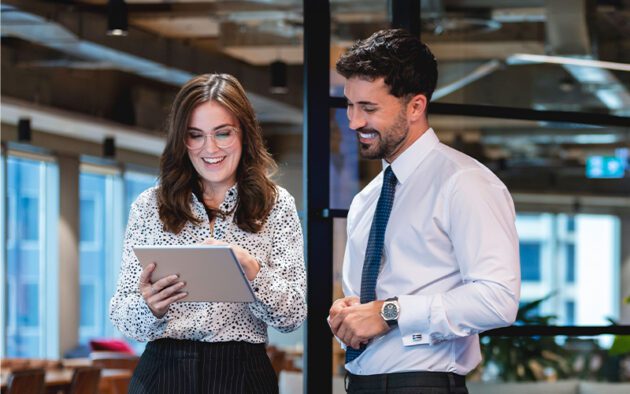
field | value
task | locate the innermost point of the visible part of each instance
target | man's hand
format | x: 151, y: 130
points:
x: 354, y: 323
x: 340, y: 304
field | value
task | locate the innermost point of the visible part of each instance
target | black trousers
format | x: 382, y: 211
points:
x: 407, y: 383
x: 189, y: 367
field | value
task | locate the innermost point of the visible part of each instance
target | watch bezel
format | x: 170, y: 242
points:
x: 386, y: 311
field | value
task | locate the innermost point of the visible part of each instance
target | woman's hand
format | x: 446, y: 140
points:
x: 162, y: 293
x: 248, y: 262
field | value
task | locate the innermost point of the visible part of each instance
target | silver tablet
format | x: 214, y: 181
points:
x: 212, y: 273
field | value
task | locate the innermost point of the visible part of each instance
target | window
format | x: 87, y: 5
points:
x: 530, y: 261
x: 105, y: 199
x: 136, y: 183
x: 31, y: 191
x: 570, y: 255
x: 570, y: 313
x: 89, y: 227
x: 572, y: 258
x: 100, y: 194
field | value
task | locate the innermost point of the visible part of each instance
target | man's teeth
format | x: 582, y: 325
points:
x: 367, y: 135
x: 213, y: 160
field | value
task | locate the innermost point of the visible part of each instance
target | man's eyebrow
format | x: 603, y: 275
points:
x: 363, y: 102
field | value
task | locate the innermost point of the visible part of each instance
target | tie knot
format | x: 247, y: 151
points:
x: 389, y: 177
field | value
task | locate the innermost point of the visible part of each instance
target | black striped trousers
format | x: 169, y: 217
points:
x: 188, y: 367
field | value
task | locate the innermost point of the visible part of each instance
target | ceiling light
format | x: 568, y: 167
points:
x: 109, y: 147
x: 24, y: 130
x: 117, y: 18
x: 278, y: 77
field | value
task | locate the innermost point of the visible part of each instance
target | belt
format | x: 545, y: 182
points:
x: 404, y: 379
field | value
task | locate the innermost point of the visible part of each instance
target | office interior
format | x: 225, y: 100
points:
x: 537, y: 90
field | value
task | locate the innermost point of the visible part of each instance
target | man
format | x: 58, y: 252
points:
x: 432, y: 253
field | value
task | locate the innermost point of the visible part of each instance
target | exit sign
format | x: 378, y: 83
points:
x: 605, y: 167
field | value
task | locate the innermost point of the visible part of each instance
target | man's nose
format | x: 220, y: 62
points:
x: 356, y: 121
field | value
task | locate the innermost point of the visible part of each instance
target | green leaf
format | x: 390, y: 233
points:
x: 620, y: 346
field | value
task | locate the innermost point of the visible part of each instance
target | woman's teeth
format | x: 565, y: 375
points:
x: 213, y: 160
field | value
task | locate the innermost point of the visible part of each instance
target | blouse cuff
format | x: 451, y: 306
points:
x: 154, y: 325
x: 261, y: 280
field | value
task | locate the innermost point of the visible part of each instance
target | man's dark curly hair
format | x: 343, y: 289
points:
x: 406, y: 64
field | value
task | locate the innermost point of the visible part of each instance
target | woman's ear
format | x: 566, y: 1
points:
x: 417, y: 107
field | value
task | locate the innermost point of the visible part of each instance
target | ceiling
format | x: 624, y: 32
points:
x: 57, y: 58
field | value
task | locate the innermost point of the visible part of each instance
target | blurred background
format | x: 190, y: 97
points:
x: 537, y: 90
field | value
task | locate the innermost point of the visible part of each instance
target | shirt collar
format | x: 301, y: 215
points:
x: 227, y: 206
x: 410, y: 159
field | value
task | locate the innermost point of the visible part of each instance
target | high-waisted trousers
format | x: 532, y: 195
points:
x: 180, y: 366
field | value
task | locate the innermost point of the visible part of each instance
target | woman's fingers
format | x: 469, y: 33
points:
x: 163, y: 283
x: 167, y: 291
x: 160, y: 301
x: 164, y: 304
x: 145, y: 276
x: 161, y: 293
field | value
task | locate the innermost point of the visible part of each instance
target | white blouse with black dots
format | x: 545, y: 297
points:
x: 279, y: 287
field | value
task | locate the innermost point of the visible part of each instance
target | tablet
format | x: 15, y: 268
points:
x: 211, y: 272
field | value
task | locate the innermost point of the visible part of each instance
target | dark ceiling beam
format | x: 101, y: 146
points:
x: 494, y: 3
x: 173, y: 53
x: 183, y: 8
x: 102, y: 93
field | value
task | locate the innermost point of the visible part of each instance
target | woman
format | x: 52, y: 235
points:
x: 214, y: 187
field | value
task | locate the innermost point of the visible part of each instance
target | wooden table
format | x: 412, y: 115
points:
x: 60, y: 379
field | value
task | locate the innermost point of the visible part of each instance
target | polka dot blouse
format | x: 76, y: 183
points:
x: 279, y: 287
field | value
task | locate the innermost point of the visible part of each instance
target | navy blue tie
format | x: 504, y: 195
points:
x: 374, y: 251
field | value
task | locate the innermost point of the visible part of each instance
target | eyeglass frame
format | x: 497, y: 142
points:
x: 212, y: 134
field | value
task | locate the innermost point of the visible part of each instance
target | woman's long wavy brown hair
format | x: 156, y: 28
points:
x: 178, y: 178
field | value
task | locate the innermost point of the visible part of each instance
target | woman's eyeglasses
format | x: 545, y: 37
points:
x: 223, y: 137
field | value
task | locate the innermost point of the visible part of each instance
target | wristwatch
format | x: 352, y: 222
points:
x: 390, y: 311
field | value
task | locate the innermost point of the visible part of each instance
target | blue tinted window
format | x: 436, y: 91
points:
x: 29, y: 309
x: 93, y: 261
x: 570, y: 263
x: 530, y: 261
x: 570, y: 313
x: 87, y: 217
x: 88, y: 300
x: 25, y: 253
x: 29, y: 223
x: 136, y: 183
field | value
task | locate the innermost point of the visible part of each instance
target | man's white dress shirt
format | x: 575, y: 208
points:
x: 450, y: 256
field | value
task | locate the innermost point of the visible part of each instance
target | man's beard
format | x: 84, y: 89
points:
x: 386, y: 143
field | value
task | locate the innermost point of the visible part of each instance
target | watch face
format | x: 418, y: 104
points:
x: 390, y: 311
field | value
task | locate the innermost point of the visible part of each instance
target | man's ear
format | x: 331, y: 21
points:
x: 417, y: 107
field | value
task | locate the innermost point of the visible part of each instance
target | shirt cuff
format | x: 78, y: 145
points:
x: 154, y: 324
x: 343, y: 345
x: 261, y: 280
x: 414, y: 319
